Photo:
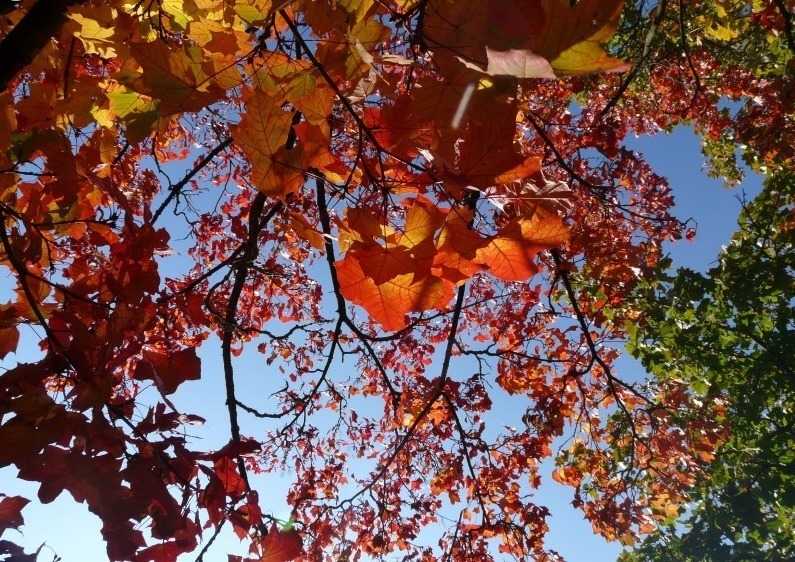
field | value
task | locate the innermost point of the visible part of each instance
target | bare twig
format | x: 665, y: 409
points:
x: 177, y: 188
x: 255, y: 226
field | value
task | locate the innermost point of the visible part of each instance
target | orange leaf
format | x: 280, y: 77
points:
x: 510, y: 256
x: 575, y: 35
x: 306, y: 231
x: 181, y: 78
x: 390, y: 288
x: 423, y: 219
x: 281, y: 546
x: 457, y: 248
x: 262, y: 134
x: 389, y: 273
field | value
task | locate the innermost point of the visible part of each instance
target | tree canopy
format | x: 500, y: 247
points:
x: 420, y: 213
x: 728, y: 333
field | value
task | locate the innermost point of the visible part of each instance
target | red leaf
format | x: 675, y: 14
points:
x: 281, y: 546
x: 228, y: 474
x: 169, y: 370
x: 11, y: 551
x: 9, y: 339
x: 10, y: 512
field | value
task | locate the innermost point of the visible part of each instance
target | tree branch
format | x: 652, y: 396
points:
x: 255, y: 226
x: 176, y: 189
x: 30, y: 35
x: 325, y: 224
x: 787, y: 24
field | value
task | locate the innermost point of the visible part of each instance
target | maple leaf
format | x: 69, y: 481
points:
x: 425, y: 127
x: 538, y: 39
x: 179, y: 77
x: 10, y: 512
x: 486, y: 154
x: 520, y: 63
x: 535, y: 194
x: 388, y: 285
x: 574, y: 36
x: 510, y: 256
x: 458, y: 244
x: 281, y: 546
x: 9, y: 339
x: 395, y: 278
x: 262, y: 135
x: 169, y: 370
x: 227, y: 472
x: 96, y: 29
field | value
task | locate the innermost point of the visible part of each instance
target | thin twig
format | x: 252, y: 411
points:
x: 176, y: 189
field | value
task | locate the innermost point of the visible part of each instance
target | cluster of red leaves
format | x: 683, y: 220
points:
x: 405, y: 185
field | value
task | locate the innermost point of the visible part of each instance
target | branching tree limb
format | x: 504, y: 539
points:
x: 30, y: 35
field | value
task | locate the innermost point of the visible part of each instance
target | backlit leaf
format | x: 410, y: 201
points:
x: 281, y: 546
x: 511, y: 255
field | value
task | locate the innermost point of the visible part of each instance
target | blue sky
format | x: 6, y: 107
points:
x: 74, y: 534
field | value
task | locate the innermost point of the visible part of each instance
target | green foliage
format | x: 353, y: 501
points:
x: 730, y: 332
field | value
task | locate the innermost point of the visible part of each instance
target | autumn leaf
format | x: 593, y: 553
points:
x: 9, y: 339
x: 532, y: 195
x: 281, y: 546
x: 262, y: 135
x: 385, y: 283
x: 393, y: 277
x: 538, y: 39
x: 510, y: 256
x: 458, y: 244
x: 227, y: 472
x: 177, y: 171
x: 486, y: 153
x: 179, y: 77
x: 169, y: 370
x: 575, y: 35
x: 96, y: 29
x: 10, y: 512
x: 520, y: 63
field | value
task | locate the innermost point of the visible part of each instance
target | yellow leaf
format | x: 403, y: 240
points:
x: 96, y: 32
x: 219, y: 40
x: 254, y: 12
